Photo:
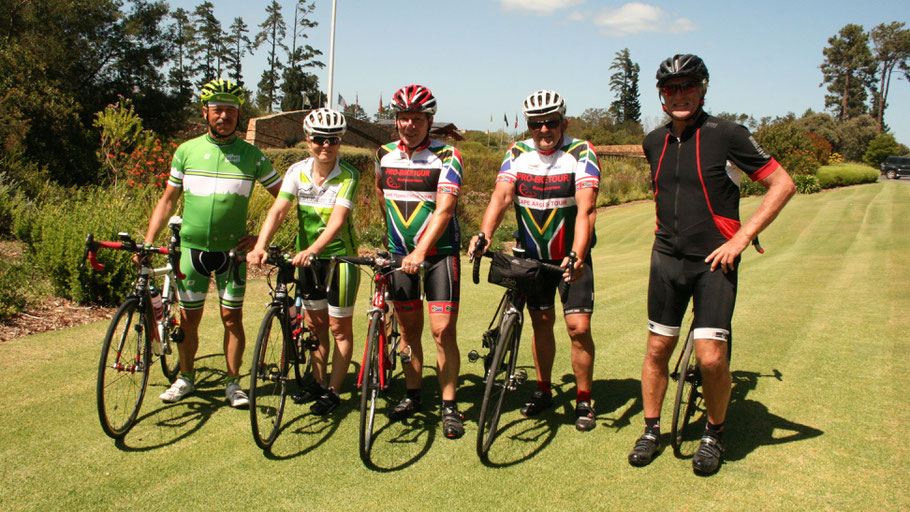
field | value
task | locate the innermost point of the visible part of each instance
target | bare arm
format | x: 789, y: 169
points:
x: 584, y: 228
x: 502, y: 197
x: 780, y: 189
x: 336, y: 220
x: 273, y: 220
x: 162, y: 212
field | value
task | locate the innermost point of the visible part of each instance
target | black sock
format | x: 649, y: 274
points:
x: 714, y: 431
x: 414, y: 394
x: 652, y: 426
x: 449, y: 403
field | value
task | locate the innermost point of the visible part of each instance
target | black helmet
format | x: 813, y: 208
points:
x: 682, y: 65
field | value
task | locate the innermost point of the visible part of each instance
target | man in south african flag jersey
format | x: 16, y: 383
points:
x: 417, y: 184
x: 216, y: 174
x: 553, y: 181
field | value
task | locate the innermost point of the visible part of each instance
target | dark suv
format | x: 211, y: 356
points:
x: 896, y: 166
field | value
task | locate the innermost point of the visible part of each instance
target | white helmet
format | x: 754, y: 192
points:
x: 544, y: 102
x: 325, y: 122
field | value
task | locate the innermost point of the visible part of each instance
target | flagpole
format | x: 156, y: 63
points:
x: 332, y: 53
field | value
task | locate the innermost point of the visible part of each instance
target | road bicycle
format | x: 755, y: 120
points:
x: 146, y: 326
x: 688, y: 406
x: 383, y: 345
x: 283, y: 343
x: 501, y: 340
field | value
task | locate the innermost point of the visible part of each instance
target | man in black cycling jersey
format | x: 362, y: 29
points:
x: 698, y: 243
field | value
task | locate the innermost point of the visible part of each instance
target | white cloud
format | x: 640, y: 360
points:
x: 538, y: 6
x: 636, y: 17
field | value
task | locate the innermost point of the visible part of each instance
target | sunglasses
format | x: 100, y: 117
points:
x: 551, y: 124
x: 683, y: 88
x: 321, y: 141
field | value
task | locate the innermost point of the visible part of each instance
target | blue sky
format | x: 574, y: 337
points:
x: 481, y: 58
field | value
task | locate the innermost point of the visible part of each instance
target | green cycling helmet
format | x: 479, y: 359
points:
x: 222, y: 91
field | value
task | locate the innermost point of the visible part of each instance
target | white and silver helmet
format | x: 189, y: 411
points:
x: 325, y: 122
x: 544, y: 102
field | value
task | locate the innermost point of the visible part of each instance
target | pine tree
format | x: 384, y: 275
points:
x: 238, y: 45
x: 624, y: 83
x: 892, y: 48
x: 849, y: 71
x: 299, y: 88
x: 273, y: 33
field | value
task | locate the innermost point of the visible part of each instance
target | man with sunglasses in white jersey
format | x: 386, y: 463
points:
x: 553, y: 179
x: 697, y: 246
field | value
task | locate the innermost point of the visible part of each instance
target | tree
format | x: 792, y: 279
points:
x: 849, y: 70
x: 356, y: 112
x: 855, y: 136
x: 273, y: 33
x: 892, y: 48
x: 238, y: 45
x: 743, y: 119
x: 299, y: 88
x: 384, y: 112
x: 624, y: 83
x: 208, y: 45
x: 880, y: 148
x: 181, y: 75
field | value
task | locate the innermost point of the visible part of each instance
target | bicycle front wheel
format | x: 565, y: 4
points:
x: 497, y: 383
x: 268, y: 378
x: 369, y: 387
x: 123, y: 369
x: 683, y: 435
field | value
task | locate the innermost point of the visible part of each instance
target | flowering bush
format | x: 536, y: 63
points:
x: 835, y: 158
x: 128, y: 152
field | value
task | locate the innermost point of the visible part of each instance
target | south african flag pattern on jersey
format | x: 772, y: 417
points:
x: 410, y: 186
x: 545, y: 186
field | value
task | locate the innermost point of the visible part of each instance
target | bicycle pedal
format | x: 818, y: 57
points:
x: 473, y: 356
x: 405, y: 355
x: 518, y: 378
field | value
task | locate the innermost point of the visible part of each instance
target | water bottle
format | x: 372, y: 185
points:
x: 157, y: 304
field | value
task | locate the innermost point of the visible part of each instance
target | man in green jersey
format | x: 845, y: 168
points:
x: 216, y: 172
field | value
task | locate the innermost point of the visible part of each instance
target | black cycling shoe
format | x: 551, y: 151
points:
x: 326, y: 403
x: 538, y: 402
x: 645, y: 449
x: 406, y: 408
x: 585, y: 417
x: 452, y: 423
x: 707, y: 458
x: 312, y: 392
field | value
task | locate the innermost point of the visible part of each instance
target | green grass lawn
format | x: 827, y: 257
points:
x: 818, y: 418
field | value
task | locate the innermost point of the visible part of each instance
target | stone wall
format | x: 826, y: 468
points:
x: 285, y: 129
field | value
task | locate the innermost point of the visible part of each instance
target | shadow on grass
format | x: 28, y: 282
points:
x: 749, y: 423
x: 169, y: 423
x: 753, y: 425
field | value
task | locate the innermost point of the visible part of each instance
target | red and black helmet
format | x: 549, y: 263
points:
x: 682, y: 65
x: 414, y: 98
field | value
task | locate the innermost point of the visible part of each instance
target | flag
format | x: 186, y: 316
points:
x: 516, y: 120
x: 357, y: 99
x: 380, y: 103
x: 341, y: 103
x: 505, y: 120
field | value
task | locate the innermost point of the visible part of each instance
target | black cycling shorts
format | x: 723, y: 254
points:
x: 675, y: 280
x: 442, y: 285
x: 340, y: 296
x: 577, y: 297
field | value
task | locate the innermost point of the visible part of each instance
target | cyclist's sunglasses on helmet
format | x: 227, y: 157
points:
x: 320, y: 140
x: 684, y: 88
x: 551, y: 124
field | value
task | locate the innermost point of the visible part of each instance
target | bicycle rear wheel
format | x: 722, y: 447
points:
x: 123, y: 370
x: 683, y: 435
x: 497, y: 383
x: 170, y: 363
x: 268, y: 378
x: 369, y: 387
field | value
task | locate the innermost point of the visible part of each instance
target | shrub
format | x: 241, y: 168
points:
x: 790, y: 146
x: 751, y: 188
x: 835, y: 158
x: 880, y: 148
x: 821, y: 147
x: 806, y: 184
x: 57, y: 246
x: 623, y: 180
x: 842, y: 175
x: 128, y: 152
x: 855, y: 135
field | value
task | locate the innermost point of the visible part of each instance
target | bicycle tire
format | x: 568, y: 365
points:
x: 369, y: 387
x: 269, y: 378
x: 170, y: 363
x: 123, y: 369
x: 687, y: 402
x: 496, y: 383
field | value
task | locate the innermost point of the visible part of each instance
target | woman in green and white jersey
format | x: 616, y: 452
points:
x: 324, y: 188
